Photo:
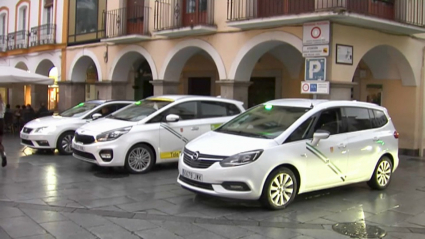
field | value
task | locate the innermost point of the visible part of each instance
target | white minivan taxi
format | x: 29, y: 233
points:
x: 151, y: 131
x: 282, y: 148
x: 57, y: 131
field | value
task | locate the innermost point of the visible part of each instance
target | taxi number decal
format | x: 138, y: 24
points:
x: 170, y: 155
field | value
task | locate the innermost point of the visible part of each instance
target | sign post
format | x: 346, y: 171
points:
x: 316, y: 40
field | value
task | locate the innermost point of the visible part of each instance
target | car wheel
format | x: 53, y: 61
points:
x: 280, y: 189
x: 64, y: 143
x: 140, y: 159
x: 381, y: 177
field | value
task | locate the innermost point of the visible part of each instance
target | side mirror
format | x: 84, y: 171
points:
x: 319, y: 135
x: 172, y: 118
x: 96, y: 116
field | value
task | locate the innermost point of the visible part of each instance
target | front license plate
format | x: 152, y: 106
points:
x: 78, y: 147
x: 192, y: 175
x: 24, y: 136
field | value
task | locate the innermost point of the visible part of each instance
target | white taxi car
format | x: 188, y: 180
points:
x: 57, y: 131
x: 151, y: 131
x: 282, y: 148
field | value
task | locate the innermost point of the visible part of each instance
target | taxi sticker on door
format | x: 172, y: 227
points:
x: 170, y: 155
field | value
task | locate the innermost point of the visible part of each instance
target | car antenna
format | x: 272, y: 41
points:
x: 311, y: 106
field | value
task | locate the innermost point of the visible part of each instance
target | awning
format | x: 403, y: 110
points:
x: 12, y: 75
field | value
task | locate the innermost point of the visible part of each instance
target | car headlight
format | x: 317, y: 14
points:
x: 241, y: 158
x: 113, y: 134
x: 45, y: 130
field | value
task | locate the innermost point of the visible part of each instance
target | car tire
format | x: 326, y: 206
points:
x: 276, y: 196
x: 382, y: 174
x: 64, y: 144
x: 140, y: 159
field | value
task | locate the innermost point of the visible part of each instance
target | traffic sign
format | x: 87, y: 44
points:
x: 315, y: 87
x: 315, y: 69
x: 316, y: 33
x: 314, y: 51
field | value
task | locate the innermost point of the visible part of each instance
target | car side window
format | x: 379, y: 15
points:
x: 357, y: 119
x: 331, y: 121
x: 301, y: 132
x: 212, y: 109
x: 379, y: 120
x: 186, y: 110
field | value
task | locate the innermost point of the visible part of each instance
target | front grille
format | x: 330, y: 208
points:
x: 27, y: 130
x: 203, y: 160
x: 27, y: 142
x: 84, y: 154
x: 191, y: 182
x: 84, y: 139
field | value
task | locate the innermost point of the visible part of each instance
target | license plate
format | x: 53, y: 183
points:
x: 192, y: 175
x: 24, y: 136
x: 78, y: 147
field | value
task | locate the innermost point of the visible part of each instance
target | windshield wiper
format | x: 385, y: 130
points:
x: 243, y: 133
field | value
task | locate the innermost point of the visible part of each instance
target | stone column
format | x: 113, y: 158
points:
x: 16, y: 95
x: 70, y: 94
x: 237, y: 90
x: 341, y: 90
x: 39, y: 94
x: 109, y: 90
x: 162, y: 87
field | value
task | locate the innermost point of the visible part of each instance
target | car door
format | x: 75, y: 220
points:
x: 362, y: 141
x: 173, y: 136
x: 215, y: 113
x: 326, y: 163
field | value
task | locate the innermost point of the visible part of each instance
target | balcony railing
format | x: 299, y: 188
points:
x: 127, y: 21
x: 43, y: 35
x: 3, y: 43
x: 410, y: 12
x: 174, y: 14
x: 17, y: 40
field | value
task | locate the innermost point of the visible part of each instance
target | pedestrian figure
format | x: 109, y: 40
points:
x: 2, y: 111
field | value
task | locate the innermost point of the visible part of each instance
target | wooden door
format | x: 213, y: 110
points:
x: 135, y: 16
x: 194, y: 12
x: 270, y: 8
x: 262, y: 90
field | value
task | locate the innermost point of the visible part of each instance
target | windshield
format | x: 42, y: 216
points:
x: 263, y: 121
x: 139, y: 110
x: 79, y: 110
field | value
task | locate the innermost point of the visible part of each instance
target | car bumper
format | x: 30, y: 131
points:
x: 38, y: 141
x: 92, y: 153
x: 218, y: 181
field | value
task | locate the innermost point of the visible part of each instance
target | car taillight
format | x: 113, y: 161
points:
x: 396, y: 134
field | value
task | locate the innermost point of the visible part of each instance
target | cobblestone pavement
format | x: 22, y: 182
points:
x: 44, y: 196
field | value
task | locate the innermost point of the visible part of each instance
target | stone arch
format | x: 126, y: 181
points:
x: 22, y: 65
x: 256, y: 47
x: 79, y: 66
x: 44, y: 67
x: 388, y: 63
x: 125, y: 58
x: 183, y: 51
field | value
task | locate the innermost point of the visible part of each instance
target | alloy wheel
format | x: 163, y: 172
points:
x: 139, y: 159
x: 281, y: 189
x: 383, y: 173
x: 67, y: 143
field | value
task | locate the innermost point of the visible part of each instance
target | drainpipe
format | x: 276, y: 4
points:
x: 421, y: 106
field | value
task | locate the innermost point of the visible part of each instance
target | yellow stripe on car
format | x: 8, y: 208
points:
x: 170, y: 155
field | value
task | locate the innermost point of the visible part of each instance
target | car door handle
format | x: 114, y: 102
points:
x: 342, y: 146
x: 195, y: 128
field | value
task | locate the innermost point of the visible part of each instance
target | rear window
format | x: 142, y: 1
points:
x: 211, y: 109
x: 379, y: 120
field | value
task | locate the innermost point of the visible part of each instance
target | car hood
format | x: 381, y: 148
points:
x: 104, y: 125
x: 51, y: 121
x: 214, y: 143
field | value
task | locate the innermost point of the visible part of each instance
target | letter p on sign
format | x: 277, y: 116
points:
x: 315, y: 69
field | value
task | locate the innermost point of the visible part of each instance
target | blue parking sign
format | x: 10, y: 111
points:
x: 315, y: 69
x: 313, y: 87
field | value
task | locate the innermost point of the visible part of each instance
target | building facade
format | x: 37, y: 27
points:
x: 31, y: 38
x: 250, y: 50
